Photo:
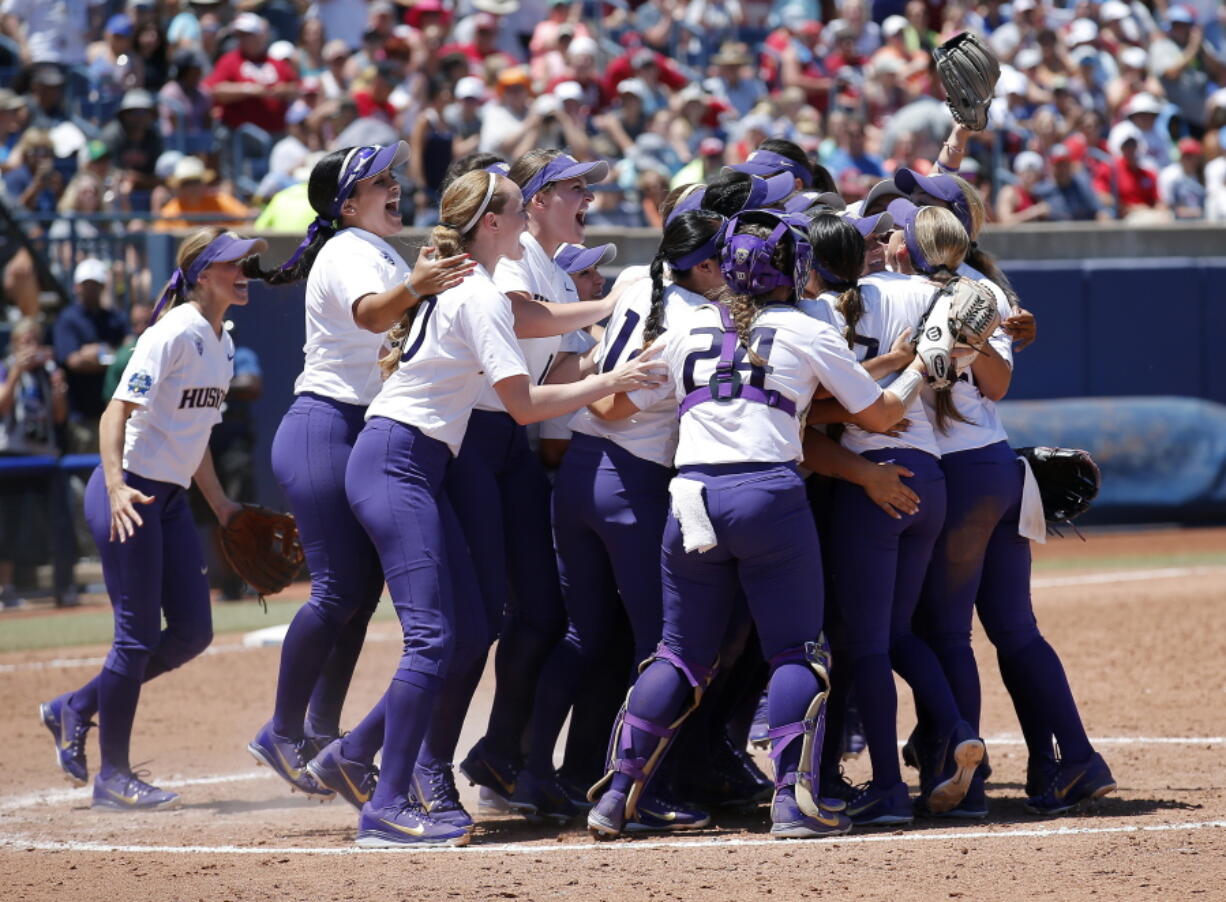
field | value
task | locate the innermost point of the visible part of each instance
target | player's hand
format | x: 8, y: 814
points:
x: 1021, y: 328
x: 885, y: 487
x: 644, y: 371
x: 125, y: 519
x: 898, y: 428
x: 434, y: 275
x: 226, y: 511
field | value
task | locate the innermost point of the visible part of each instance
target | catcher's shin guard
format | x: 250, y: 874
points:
x: 619, y: 760
x: 811, y: 730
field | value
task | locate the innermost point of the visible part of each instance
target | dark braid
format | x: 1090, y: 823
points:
x: 653, y: 326
x: 838, y: 256
x: 321, y: 193
x: 850, y: 305
x: 687, y: 233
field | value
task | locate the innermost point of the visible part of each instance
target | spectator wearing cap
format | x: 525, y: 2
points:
x: 844, y: 53
x: 1186, y: 66
x: 247, y: 84
x: 563, y: 16
x: 481, y: 36
x: 1017, y: 202
x: 111, y: 60
x: 707, y: 163
x: 335, y: 78
x: 53, y: 33
x: 1134, y: 79
x: 193, y: 196
x: 798, y: 47
x: 1130, y: 182
x: 693, y: 121
x: 731, y: 81
x: 13, y: 115
x: 85, y: 335
x: 1181, y: 185
x: 373, y: 91
x: 184, y: 106
x: 1117, y: 28
x: 582, y: 68
x: 464, y: 114
x: 628, y: 119
x: 47, y: 109
x: 1068, y: 193
x: 912, y: 62
x: 502, y: 125
x: 1142, y: 112
x: 133, y: 137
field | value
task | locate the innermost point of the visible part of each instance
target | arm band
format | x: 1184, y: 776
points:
x: 906, y: 387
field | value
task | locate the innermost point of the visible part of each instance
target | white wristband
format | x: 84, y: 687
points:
x: 906, y: 387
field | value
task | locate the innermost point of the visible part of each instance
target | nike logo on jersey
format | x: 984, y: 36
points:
x: 230, y: 357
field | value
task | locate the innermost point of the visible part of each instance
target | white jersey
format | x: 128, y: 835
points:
x: 800, y: 353
x: 536, y: 275
x: 342, y: 358
x: 651, y: 433
x: 460, y: 343
x: 178, y: 377
x: 985, y: 427
x: 892, y: 303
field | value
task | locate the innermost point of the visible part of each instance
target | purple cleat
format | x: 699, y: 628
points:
x: 405, y: 824
x: 880, y: 806
x: 789, y: 822
x: 353, y: 781
x: 542, y: 798
x: 127, y: 792
x: 960, y: 756
x: 434, y: 788
x: 287, y: 758
x: 608, y: 816
x: 68, y: 729
x: 1072, y: 784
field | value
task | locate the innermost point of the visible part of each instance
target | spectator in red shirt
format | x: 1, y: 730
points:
x: 1135, y: 184
x: 373, y: 99
x: 248, y: 85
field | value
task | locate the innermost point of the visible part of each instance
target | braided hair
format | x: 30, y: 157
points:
x: 321, y: 193
x: 838, y: 258
x: 687, y: 233
x: 744, y: 308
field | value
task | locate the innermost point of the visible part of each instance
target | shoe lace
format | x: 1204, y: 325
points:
x: 441, y: 781
x: 136, y: 780
x: 77, y: 734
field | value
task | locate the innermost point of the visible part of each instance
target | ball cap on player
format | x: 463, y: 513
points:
x: 803, y: 201
x: 940, y: 186
x: 884, y: 189
x: 576, y: 258
x: 768, y: 192
x: 564, y: 167
x: 690, y: 201
x: 90, y: 269
x: 877, y: 224
x: 767, y: 162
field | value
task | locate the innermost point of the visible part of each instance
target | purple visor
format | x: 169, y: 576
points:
x: 576, y: 258
x: 875, y: 224
x: 904, y: 213
x: 225, y: 248
x: 942, y: 187
x: 692, y: 201
x: 767, y: 162
x: 559, y: 169
x: 364, y: 162
x: 705, y: 251
x: 802, y: 201
x: 766, y: 192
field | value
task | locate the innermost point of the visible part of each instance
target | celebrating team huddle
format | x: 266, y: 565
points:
x: 769, y: 474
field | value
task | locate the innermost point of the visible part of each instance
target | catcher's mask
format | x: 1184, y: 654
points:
x: 745, y: 259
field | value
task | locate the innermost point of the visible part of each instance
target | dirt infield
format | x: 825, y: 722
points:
x: 1143, y: 649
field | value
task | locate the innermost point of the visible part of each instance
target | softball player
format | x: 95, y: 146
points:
x: 778, y: 155
x: 357, y: 286
x: 981, y: 561
x: 444, y: 355
x: 739, y: 517
x: 501, y: 495
x: 609, y: 506
x: 880, y: 560
x: 154, y: 443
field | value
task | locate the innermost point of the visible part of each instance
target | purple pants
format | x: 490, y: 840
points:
x: 609, y: 508
x: 981, y: 563
x: 158, y: 571
x: 309, y: 455
x: 767, y: 548
x: 395, y: 484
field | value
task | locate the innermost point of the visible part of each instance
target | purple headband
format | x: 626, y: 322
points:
x: 561, y: 168
x: 767, y: 162
x: 904, y: 213
x: 499, y: 168
x: 225, y: 248
x: 707, y: 250
x: 692, y: 201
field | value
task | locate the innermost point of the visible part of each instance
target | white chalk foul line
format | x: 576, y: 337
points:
x: 1122, y: 576
x: 19, y: 843
x: 57, y: 796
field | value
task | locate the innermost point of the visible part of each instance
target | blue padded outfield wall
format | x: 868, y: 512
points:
x: 1135, y: 342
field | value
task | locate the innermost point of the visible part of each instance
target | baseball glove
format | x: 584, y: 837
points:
x: 968, y: 69
x: 262, y: 547
x: 1068, y: 480
x: 962, y: 312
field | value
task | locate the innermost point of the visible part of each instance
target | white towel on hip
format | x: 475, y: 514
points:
x: 690, y: 509
x: 1031, y: 523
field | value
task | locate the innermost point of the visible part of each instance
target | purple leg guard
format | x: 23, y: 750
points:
x: 805, y: 774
